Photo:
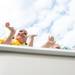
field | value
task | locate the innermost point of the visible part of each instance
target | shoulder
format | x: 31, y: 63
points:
x: 15, y: 42
x: 1, y: 40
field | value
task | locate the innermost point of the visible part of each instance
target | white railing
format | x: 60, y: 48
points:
x: 46, y: 51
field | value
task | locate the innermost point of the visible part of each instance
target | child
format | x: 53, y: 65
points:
x: 51, y: 43
x: 19, y: 39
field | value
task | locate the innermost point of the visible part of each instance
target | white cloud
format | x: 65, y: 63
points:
x: 37, y: 15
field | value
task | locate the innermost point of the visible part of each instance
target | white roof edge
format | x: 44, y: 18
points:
x: 49, y: 51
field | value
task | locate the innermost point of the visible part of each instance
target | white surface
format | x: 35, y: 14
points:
x: 49, y: 51
x: 20, y: 63
x: 24, y: 64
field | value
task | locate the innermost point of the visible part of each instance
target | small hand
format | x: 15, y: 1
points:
x: 10, y: 28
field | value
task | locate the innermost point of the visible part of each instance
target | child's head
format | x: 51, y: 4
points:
x: 22, y: 36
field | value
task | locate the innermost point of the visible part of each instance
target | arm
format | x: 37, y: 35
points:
x: 32, y: 40
x: 12, y: 32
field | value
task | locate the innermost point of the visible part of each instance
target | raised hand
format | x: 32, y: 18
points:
x: 32, y: 39
x: 12, y: 30
x: 12, y: 33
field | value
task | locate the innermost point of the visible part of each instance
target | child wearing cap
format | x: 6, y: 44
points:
x: 19, y: 39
